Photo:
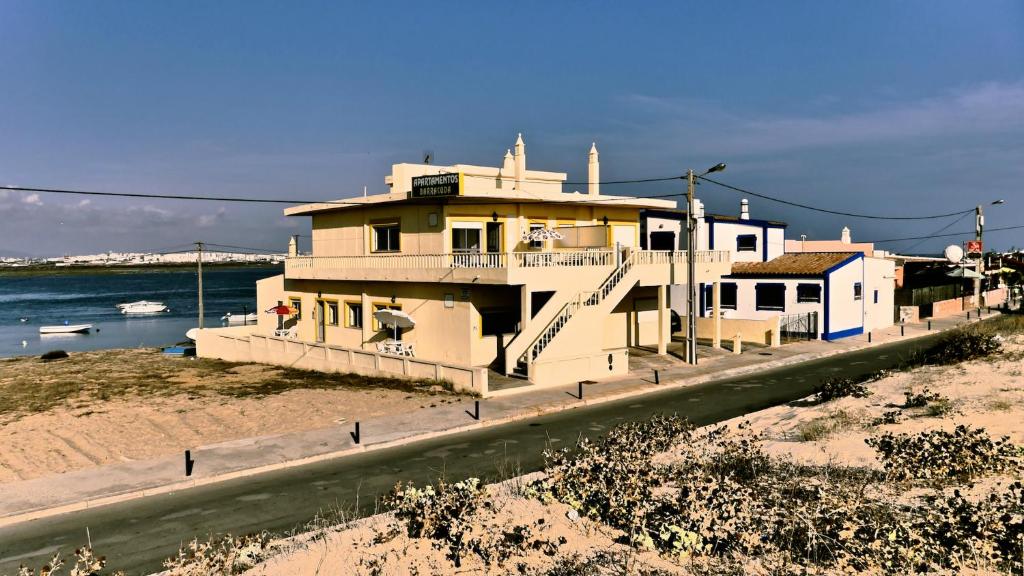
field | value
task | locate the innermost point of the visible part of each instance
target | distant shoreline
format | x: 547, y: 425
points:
x: 52, y: 270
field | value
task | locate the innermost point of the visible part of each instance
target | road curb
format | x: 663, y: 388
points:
x: 677, y: 383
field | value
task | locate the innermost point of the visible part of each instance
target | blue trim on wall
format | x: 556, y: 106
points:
x: 764, y: 244
x: 828, y: 302
x: 844, y: 333
x: 711, y: 232
x: 856, y: 256
x: 702, y: 307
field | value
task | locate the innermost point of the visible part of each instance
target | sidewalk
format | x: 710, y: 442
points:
x: 48, y: 496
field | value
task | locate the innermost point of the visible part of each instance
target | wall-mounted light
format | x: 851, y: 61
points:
x: 319, y: 294
x: 605, y: 220
x: 392, y: 298
x: 494, y: 216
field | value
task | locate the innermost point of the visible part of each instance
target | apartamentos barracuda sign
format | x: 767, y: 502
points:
x: 437, y: 185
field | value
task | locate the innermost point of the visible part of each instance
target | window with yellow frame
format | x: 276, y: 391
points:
x: 332, y: 312
x: 376, y: 323
x: 353, y: 315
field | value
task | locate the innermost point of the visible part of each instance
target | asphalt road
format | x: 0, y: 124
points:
x: 137, y: 535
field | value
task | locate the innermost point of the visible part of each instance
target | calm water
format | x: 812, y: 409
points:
x: 91, y: 299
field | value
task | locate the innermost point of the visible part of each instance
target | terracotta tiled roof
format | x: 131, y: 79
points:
x: 796, y: 264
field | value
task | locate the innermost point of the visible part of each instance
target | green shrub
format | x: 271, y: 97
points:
x: 889, y: 417
x: 921, y: 399
x: 963, y: 454
x: 961, y: 345
x: 443, y: 514
x: 833, y: 388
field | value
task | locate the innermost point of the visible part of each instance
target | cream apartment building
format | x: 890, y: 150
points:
x: 500, y: 269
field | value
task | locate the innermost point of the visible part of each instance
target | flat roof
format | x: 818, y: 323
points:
x: 681, y: 213
x: 490, y: 197
x: 793, y: 264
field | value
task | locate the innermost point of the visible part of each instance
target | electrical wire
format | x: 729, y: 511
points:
x: 175, y: 196
x: 952, y: 234
x: 851, y: 215
x: 939, y: 231
x: 249, y: 248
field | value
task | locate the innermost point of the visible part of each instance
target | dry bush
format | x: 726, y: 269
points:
x: 962, y: 454
x: 833, y: 388
x: 219, y: 557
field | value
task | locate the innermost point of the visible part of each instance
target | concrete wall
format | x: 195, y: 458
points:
x: 746, y: 299
x: 722, y: 236
x: 764, y: 331
x: 879, y: 278
x: 242, y: 344
x: 844, y: 314
x: 350, y: 232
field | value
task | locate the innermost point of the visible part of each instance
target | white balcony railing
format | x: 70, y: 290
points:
x: 579, y: 258
x: 679, y: 256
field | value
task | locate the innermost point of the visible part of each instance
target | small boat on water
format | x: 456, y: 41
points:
x: 229, y: 318
x: 142, y: 307
x: 66, y: 329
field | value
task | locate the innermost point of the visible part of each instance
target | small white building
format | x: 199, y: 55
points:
x: 830, y: 290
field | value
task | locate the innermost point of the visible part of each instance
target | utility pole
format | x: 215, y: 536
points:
x: 199, y: 263
x: 979, y: 225
x: 691, y: 273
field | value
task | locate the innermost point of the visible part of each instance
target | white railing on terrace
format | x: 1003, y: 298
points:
x: 575, y: 258
x: 472, y: 259
x: 679, y: 256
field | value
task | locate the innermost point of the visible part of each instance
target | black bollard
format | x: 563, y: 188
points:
x: 189, y: 462
x: 475, y: 414
x: 657, y: 380
x: 869, y: 337
x: 901, y: 329
x: 929, y: 324
x: 579, y: 390
x: 355, y: 435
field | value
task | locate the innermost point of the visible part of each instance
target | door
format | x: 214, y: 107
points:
x: 494, y: 237
x: 321, y: 320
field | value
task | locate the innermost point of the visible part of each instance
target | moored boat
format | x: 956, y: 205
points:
x: 65, y: 329
x: 250, y: 318
x: 142, y: 307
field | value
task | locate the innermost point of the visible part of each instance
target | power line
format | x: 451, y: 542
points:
x: 851, y: 215
x: 250, y: 248
x: 968, y: 233
x: 175, y: 196
x: 939, y: 231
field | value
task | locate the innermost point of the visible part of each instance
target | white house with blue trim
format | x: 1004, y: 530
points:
x: 830, y: 295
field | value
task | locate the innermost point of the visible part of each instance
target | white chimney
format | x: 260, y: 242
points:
x: 293, y: 246
x: 508, y: 167
x: 594, y: 171
x: 744, y: 209
x: 520, y: 160
x: 845, y: 238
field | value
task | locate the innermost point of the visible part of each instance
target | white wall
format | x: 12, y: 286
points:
x: 776, y: 242
x: 879, y: 275
x: 845, y: 313
x: 660, y: 224
x: 746, y: 299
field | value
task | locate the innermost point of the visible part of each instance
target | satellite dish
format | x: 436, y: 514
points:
x: 953, y: 253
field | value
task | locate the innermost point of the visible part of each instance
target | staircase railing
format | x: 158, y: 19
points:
x: 582, y: 299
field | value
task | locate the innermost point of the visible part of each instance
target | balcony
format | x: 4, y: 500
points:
x: 541, y: 268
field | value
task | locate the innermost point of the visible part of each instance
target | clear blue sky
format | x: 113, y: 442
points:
x: 881, y: 107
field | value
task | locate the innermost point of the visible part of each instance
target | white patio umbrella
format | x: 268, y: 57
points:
x: 538, y: 234
x: 394, y: 318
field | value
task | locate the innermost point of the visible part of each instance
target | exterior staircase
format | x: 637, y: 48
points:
x: 590, y: 301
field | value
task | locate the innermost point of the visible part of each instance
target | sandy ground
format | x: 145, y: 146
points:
x: 985, y: 393
x: 104, y: 407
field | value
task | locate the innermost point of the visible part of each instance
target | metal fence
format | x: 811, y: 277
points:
x: 798, y: 326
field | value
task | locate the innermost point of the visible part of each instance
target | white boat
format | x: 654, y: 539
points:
x: 142, y: 307
x: 250, y: 318
x: 65, y: 329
